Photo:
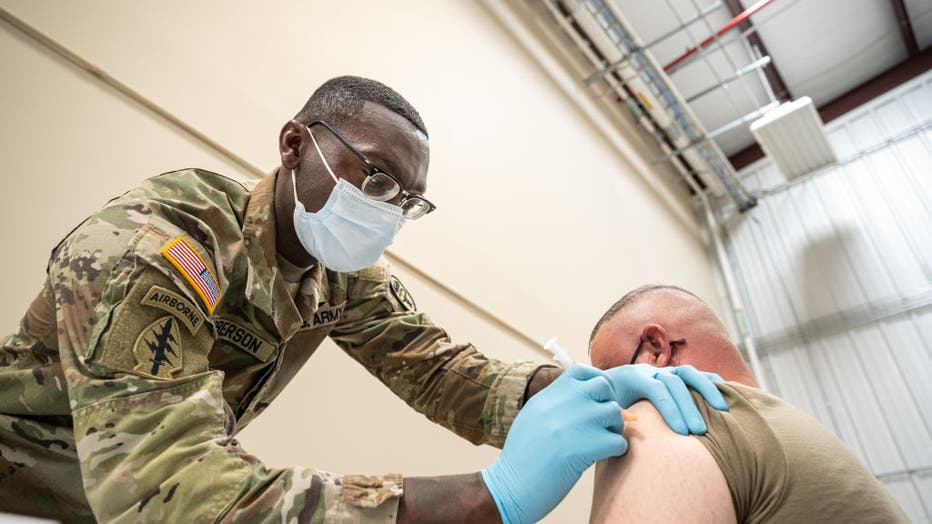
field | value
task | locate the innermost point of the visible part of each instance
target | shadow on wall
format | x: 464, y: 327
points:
x: 829, y: 283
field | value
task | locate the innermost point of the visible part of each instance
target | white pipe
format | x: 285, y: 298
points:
x: 731, y: 288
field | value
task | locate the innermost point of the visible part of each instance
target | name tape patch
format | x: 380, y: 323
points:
x: 177, y: 305
x: 244, y: 339
x: 192, y: 266
x: 324, y: 316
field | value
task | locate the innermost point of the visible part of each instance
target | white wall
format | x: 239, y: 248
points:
x: 540, y: 220
x: 837, y: 272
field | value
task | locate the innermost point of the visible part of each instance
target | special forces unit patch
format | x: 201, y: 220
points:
x: 158, y: 349
x: 398, y: 289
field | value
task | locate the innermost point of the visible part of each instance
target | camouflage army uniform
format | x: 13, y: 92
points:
x: 165, y: 325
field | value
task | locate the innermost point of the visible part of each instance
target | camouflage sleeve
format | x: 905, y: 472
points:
x: 153, y: 433
x: 451, y: 384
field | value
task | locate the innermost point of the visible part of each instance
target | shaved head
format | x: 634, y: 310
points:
x: 654, y: 316
x: 630, y: 297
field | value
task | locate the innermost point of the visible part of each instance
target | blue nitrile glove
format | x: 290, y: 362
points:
x: 561, y: 431
x: 666, y: 389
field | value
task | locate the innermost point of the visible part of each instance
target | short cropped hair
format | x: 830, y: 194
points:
x: 339, y: 99
x: 632, y: 296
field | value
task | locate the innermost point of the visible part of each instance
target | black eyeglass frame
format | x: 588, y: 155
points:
x: 373, y: 169
x: 641, y: 344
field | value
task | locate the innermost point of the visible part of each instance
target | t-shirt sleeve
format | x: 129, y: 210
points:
x: 748, y: 453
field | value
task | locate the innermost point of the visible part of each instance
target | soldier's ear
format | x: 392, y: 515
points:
x: 657, y: 345
x: 292, y: 141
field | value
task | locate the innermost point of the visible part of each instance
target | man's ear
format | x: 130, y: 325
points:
x: 292, y: 141
x: 657, y: 344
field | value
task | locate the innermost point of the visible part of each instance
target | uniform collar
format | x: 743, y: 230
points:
x: 265, y: 287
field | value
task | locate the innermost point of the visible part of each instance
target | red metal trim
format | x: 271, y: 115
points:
x: 724, y: 29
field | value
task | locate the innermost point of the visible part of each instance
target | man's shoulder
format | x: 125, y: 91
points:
x: 377, y: 280
x: 197, y: 186
x: 784, y: 464
x: 200, y: 211
x: 638, y: 486
x: 200, y: 203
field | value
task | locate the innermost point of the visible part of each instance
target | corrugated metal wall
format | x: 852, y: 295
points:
x: 837, y: 271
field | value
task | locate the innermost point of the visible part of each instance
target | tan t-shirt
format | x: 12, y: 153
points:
x: 781, y: 465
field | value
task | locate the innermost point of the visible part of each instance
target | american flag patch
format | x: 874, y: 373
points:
x: 192, y: 266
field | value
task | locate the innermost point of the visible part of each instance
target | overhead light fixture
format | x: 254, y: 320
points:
x: 794, y: 138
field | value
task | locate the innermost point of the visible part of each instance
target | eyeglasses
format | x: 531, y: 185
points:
x: 641, y: 343
x: 380, y: 185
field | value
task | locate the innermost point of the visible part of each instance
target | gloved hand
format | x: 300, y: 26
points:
x: 666, y: 389
x: 561, y: 431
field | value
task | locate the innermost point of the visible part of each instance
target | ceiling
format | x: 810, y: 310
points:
x: 820, y: 48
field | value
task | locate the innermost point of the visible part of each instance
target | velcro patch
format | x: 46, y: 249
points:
x: 328, y: 315
x: 244, y: 339
x: 186, y: 260
x: 177, y: 305
x: 158, y: 349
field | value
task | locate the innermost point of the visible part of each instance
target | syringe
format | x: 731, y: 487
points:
x: 559, y: 354
x: 562, y: 356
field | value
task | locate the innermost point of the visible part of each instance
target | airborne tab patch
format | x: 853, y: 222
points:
x: 177, y: 305
x: 192, y: 266
x: 158, y: 349
x: 244, y: 339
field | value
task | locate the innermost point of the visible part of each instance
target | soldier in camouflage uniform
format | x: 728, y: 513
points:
x: 173, y: 316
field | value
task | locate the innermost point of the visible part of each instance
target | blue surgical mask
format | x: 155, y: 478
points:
x: 351, y: 231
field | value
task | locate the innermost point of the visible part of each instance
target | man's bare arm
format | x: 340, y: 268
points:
x: 664, y: 477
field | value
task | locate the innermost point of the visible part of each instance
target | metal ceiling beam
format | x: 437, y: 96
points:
x: 780, y: 90
x: 906, y: 28
x: 754, y: 66
x: 614, y: 66
x: 861, y: 94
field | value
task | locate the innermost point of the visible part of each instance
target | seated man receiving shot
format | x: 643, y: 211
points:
x: 762, y: 461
